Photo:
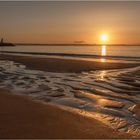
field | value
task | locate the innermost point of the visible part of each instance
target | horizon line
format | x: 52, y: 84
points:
x: 80, y: 44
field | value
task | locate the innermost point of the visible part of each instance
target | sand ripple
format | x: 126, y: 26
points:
x: 111, y: 96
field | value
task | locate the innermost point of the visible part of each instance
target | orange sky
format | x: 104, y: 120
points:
x: 66, y: 22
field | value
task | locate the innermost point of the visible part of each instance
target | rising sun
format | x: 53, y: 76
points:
x: 104, y: 37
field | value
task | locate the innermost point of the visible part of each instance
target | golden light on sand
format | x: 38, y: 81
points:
x: 102, y: 75
x: 102, y: 60
x: 104, y: 37
x: 103, y: 50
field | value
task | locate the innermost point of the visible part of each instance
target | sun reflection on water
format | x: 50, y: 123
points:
x: 103, y: 50
x: 103, y: 53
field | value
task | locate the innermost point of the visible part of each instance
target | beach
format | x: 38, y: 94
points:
x: 25, y: 117
x: 65, y: 65
x: 22, y: 117
x: 69, y: 70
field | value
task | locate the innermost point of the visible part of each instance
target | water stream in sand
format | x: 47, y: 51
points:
x: 108, y: 95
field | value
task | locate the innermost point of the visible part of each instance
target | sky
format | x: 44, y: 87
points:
x: 70, y: 21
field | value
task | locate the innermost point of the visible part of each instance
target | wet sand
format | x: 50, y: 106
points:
x: 65, y: 65
x: 21, y: 117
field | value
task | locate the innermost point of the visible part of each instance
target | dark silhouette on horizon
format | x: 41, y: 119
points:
x: 2, y: 43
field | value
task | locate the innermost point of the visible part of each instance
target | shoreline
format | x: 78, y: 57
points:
x: 22, y: 117
x: 68, y: 55
x: 34, y: 119
x: 65, y: 65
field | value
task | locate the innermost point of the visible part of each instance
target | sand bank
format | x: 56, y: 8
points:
x: 65, y: 65
x: 20, y: 117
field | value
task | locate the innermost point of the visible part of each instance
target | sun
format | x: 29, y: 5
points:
x: 104, y: 37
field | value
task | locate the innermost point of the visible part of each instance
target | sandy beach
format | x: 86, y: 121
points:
x: 65, y: 65
x: 22, y: 117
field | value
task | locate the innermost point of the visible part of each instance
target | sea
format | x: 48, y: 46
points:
x: 110, y: 96
x: 88, y: 51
